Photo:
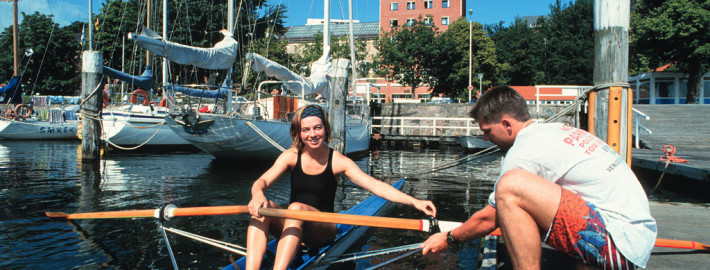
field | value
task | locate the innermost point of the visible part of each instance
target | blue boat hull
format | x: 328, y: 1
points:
x: 347, y: 235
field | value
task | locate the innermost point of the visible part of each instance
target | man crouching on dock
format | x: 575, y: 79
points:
x: 560, y: 185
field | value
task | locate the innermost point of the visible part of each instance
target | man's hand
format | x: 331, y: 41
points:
x: 436, y: 243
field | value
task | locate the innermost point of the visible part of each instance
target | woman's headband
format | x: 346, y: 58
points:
x: 312, y: 111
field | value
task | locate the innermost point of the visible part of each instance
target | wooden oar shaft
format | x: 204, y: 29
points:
x: 383, y: 222
x: 659, y: 243
x: 155, y: 213
x: 681, y: 244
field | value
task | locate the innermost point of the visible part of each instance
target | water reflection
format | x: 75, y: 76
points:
x: 47, y: 176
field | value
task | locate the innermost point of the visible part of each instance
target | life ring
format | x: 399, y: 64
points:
x: 140, y: 92
x: 23, y: 111
x: 10, y: 114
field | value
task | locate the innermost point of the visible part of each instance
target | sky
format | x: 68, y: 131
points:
x: 484, y: 11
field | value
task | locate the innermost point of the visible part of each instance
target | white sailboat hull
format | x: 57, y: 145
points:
x: 125, y: 127
x: 246, y: 139
x: 38, y: 130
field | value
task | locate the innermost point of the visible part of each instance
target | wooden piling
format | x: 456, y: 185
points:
x: 611, y: 50
x: 92, y: 69
x: 338, y: 84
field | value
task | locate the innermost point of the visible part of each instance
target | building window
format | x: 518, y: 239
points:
x: 410, y: 5
x: 394, y: 23
x: 394, y: 6
x: 444, y: 3
x: 402, y: 96
x: 410, y: 22
x: 445, y: 21
x: 428, y: 3
x: 427, y: 21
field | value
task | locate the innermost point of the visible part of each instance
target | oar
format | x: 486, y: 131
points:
x: 359, y: 220
x: 168, y: 212
x: 667, y: 243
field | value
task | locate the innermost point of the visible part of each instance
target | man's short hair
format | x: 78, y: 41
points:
x: 500, y: 101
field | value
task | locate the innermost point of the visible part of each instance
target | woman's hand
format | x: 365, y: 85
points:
x: 257, y: 202
x: 425, y: 206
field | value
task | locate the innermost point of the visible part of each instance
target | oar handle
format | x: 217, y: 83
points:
x: 358, y: 220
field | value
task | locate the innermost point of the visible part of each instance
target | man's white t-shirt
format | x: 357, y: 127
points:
x: 588, y: 167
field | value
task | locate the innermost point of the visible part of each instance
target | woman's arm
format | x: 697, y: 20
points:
x: 282, y: 163
x: 343, y: 164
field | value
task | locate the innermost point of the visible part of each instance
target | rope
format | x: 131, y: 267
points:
x: 668, y: 157
x: 266, y: 137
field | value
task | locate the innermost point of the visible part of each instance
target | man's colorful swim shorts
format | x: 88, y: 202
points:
x: 579, y: 231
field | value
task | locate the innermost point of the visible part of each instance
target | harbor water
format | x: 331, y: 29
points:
x: 36, y: 177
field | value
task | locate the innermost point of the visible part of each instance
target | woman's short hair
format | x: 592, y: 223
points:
x: 296, y: 124
x: 500, y: 101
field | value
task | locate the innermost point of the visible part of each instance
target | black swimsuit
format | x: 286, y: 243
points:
x: 314, y: 190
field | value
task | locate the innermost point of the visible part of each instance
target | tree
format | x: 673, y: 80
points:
x: 406, y: 54
x: 339, y: 48
x: 673, y: 31
x: 569, y: 45
x: 53, y: 69
x: 450, y: 70
x: 521, y: 50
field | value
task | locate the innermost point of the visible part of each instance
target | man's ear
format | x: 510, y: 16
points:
x: 506, y: 123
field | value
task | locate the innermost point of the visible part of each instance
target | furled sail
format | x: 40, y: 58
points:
x: 221, y: 56
x: 221, y: 93
x: 316, y: 83
x: 144, y: 81
x: 10, y: 91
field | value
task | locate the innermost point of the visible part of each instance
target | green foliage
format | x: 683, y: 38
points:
x: 406, y: 54
x: 451, y: 54
x: 672, y: 31
x: 521, y: 49
x: 307, y: 53
x: 569, y: 44
x: 53, y: 69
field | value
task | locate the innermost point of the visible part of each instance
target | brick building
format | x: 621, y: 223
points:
x: 440, y: 13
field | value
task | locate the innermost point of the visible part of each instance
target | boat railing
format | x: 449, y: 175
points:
x: 425, y: 126
x: 637, y: 126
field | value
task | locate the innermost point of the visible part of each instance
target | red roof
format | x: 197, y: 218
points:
x: 546, y: 92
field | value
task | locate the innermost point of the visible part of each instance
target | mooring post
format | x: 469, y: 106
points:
x: 338, y: 82
x: 91, y: 71
x: 612, y: 99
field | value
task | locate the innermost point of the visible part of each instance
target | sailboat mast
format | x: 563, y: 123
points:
x: 165, y: 36
x: 147, y: 24
x: 230, y: 28
x: 326, y: 27
x: 15, y: 53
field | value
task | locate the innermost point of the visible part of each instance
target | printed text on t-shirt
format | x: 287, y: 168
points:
x: 581, y: 138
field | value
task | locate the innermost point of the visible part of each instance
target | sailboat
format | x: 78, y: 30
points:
x: 54, y: 119
x: 140, y: 121
x: 256, y: 130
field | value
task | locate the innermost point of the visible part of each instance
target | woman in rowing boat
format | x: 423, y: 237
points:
x: 313, y: 168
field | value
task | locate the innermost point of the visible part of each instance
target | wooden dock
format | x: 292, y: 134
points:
x: 683, y: 127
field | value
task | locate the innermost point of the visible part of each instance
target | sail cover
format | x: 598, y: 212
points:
x: 9, y: 91
x: 316, y: 83
x: 144, y: 81
x: 221, y: 93
x: 221, y: 56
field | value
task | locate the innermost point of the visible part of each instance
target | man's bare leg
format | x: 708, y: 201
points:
x: 526, y: 205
